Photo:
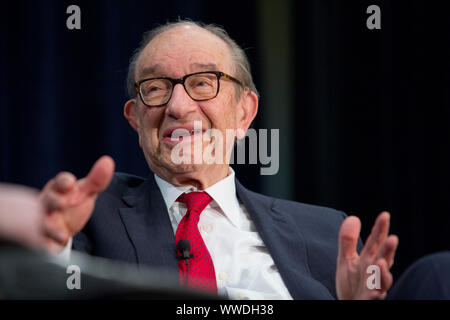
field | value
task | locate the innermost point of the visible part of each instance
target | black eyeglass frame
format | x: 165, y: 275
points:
x: 174, y: 82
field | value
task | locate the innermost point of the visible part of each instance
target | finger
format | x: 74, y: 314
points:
x: 50, y: 196
x: 348, y: 238
x: 59, y: 236
x: 99, y: 177
x: 388, y: 250
x: 59, y: 183
x: 64, y: 182
x: 383, y: 281
x: 51, y: 201
x: 386, y: 276
x: 52, y: 246
x: 55, y: 229
x: 377, y: 295
x: 377, y: 236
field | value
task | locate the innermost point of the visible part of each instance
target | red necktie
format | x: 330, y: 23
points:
x: 201, y: 269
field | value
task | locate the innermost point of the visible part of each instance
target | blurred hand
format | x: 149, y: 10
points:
x: 21, y: 216
x: 68, y: 203
x: 379, y: 249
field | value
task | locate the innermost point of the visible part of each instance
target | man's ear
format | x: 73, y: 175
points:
x: 247, y: 112
x: 130, y: 112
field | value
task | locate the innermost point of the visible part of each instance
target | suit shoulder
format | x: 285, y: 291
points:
x: 297, y: 209
x: 308, y: 209
x: 122, y: 183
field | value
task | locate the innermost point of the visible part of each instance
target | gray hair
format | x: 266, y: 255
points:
x: 239, y: 58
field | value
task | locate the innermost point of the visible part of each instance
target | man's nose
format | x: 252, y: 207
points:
x: 180, y: 103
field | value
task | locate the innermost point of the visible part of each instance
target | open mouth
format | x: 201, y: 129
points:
x: 183, y: 133
x: 174, y: 136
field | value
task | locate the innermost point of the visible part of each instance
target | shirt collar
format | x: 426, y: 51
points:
x: 222, y: 192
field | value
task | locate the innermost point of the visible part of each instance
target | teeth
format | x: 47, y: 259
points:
x: 191, y: 132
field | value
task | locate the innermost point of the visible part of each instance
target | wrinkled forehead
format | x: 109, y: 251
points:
x: 182, y: 50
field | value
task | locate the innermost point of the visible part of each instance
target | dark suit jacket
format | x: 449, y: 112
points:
x: 130, y: 223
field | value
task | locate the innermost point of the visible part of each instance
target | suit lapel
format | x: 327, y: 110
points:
x: 285, y: 243
x: 149, y: 228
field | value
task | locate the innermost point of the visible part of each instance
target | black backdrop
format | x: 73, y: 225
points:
x: 370, y: 111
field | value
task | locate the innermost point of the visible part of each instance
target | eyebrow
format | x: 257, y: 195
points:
x: 208, y: 67
x: 157, y: 69
x: 148, y: 71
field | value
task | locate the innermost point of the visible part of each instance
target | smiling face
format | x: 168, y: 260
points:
x: 179, y: 51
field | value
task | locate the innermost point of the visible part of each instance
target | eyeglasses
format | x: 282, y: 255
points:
x: 200, y: 86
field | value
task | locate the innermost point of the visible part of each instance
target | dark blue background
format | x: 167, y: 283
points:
x: 370, y: 109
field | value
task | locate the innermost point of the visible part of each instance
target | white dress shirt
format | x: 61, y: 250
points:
x: 244, y: 268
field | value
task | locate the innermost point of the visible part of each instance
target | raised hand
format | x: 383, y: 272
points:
x: 69, y: 202
x: 379, y: 249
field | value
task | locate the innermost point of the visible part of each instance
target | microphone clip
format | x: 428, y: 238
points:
x: 185, y: 257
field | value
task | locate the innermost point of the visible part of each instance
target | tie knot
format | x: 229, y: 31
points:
x: 195, y: 201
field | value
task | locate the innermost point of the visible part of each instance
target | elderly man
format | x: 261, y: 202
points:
x: 235, y: 242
